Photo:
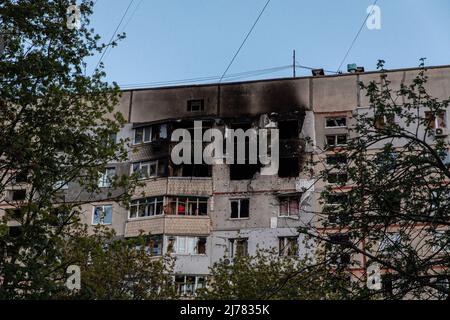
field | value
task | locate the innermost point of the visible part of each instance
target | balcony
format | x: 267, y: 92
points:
x: 181, y: 186
x: 169, y: 224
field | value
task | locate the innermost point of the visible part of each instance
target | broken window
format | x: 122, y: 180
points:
x: 193, y: 170
x: 188, y: 285
x: 336, y: 159
x: 17, y: 195
x: 150, y: 133
x: 190, y: 206
x: 142, y: 135
x: 15, y: 213
x: 188, y: 245
x: 336, y: 199
x: 336, y: 122
x: 435, y: 121
x: 383, y: 120
x: 288, y: 129
x: 289, y: 206
x: 337, y: 177
x: 238, y: 247
x: 246, y: 170
x: 159, y: 132
x: 287, y: 246
x: 102, y: 215
x: 153, y: 245
x: 21, y: 176
x: 195, y: 105
x: 336, y: 140
x: 106, y: 178
x: 147, y: 207
x: 341, y: 257
x: 151, y: 169
x: 15, y: 231
x: 240, y: 208
x: 289, y: 167
x: 243, y: 171
x: 390, y: 243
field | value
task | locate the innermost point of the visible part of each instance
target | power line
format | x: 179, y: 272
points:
x: 212, y: 78
x: 298, y: 65
x: 132, y: 15
x: 356, y: 37
x: 127, y: 23
x: 245, y: 39
x: 231, y: 77
x: 114, y: 34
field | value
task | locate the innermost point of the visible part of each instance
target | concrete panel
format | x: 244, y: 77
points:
x: 169, y: 103
x: 253, y: 98
x: 331, y: 94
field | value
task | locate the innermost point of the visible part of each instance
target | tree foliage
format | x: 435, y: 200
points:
x: 396, y: 212
x: 268, y: 276
x: 56, y: 124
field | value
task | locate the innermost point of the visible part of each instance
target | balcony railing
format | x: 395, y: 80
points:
x: 180, y: 186
x: 169, y: 224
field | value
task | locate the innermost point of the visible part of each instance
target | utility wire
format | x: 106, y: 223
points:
x: 356, y: 37
x: 132, y: 16
x: 114, y: 34
x: 211, y: 78
x: 127, y: 23
x: 231, y: 77
x: 243, y: 42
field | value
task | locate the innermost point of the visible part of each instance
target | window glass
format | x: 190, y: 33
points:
x: 102, y: 215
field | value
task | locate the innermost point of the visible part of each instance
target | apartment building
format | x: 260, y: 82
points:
x: 201, y: 213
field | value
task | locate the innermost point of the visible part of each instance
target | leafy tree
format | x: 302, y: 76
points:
x: 118, y: 269
x: 397, y: 211
x: 56, y: 124
x: 268, y: 276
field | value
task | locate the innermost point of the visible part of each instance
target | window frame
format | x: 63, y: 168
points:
x: 435, y: 124
x: 144, y: 128
x: 103, y: 210
x: 187, y: 241
x: 290, y: 198
x: 18, y: 191
x: 104, y: 181
x: 187, y: 205
x: 335, y: 119
x: 283, y: 250
x: 149, y: 163
x: 144, y: 202
x: 192, y: 102
x: 239, y: 201
x: 232, y: 246
x: 181, y: 287
x: 336, y: 144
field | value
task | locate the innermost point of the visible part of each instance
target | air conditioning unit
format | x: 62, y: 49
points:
x: 440, y: 132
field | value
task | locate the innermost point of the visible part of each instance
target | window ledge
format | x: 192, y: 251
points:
x: 189, y: 254
x: 238, y: 219
x: 166, y: 216
x: 290, y: 217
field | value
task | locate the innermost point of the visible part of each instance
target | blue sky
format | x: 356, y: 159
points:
x: 182, y: 39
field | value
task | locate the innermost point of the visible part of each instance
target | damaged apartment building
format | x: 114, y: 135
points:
x: 201, y: 213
